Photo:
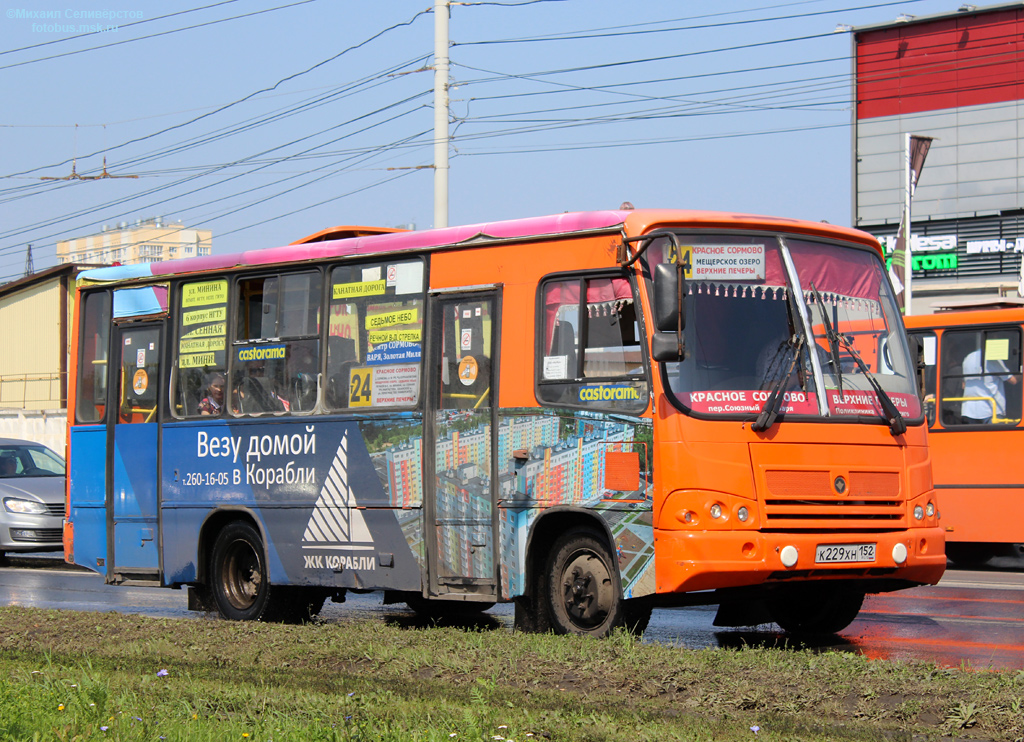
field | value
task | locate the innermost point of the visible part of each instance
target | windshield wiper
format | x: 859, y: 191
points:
x: 897, y: 425
x: 770, y: 411
x: 833, y: 338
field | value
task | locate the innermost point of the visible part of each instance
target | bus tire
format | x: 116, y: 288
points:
x: 815, y: 609
x: 238, y: 574
x: 583, y: 594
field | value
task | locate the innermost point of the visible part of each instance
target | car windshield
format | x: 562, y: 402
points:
x: 805, y: 321
x: 29, y: 461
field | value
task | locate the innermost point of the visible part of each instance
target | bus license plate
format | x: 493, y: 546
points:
x: 838, y: 553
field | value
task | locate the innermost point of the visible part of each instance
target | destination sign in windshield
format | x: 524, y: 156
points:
x: 726, y: 262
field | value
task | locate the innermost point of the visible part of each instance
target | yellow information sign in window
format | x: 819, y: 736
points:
x: 360, y: 387
x: 997, y: 349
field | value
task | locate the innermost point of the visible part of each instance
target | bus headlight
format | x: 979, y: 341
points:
x: 742, y: 514
x: 930, y: 509
x: 716, y: 511
x: 919, y: 512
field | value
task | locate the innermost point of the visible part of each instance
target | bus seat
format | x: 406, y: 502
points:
x: 563, y: 343
x: 251, y: 397
x: 191, y: 392
x: 303, y: 392
x: 341, y: 357
x: 339, y: 350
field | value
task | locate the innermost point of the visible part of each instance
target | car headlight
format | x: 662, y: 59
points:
x: 17, y: 505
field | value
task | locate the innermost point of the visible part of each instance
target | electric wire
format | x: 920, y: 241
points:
x: 611, y: 34
x: 119, y: 26
x: 154, y: 35
x: 226, y: 106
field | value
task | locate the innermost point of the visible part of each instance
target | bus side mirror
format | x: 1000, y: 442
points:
x: 669, y: 312
x: 669, y: 298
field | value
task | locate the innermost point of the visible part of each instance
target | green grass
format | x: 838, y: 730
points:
x: 89, y: 676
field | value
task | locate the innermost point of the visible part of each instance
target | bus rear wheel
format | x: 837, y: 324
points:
x: 582, y: 590
x: 238, y: 571
x: 815, y: 608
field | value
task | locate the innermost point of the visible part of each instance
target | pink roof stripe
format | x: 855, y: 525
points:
x: 393, y: 242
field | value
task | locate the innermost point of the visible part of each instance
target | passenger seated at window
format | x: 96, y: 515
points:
x: 213, y: 402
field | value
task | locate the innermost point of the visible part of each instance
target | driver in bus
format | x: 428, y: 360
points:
x: 985, y: 394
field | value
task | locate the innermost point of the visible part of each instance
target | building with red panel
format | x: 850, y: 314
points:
x: 959, y: 78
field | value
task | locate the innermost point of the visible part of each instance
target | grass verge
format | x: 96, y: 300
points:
x: 89, y: 676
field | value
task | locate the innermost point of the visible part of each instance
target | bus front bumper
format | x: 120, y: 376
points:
x: 686, y: 561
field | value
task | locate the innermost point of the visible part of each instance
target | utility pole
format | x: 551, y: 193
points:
x: 30, y: 267
x: 442, y: 10
x: 908, y: 196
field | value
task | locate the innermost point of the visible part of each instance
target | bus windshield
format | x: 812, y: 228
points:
x: 815, y: 320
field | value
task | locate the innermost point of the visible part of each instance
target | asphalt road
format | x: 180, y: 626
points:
x: 973, y: 618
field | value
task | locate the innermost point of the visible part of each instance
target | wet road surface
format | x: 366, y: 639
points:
x: 972, y: 618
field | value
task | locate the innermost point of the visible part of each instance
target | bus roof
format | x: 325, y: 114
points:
x: 965, y: 317
x: 387, y: 242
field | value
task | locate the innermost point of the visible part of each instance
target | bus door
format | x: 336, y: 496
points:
x: 133, y: 436
x: 460, y: 461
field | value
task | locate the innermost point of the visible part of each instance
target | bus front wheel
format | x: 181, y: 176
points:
x: 238, y: 571
x: 582, y: 593
x: 815, y: 608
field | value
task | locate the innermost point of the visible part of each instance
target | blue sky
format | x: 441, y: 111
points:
x: 266, y: 120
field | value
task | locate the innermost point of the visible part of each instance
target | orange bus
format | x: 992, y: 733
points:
x: 971, y: 386
x: 589, y: 414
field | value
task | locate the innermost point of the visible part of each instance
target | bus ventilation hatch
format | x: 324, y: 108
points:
x: 807, y: 500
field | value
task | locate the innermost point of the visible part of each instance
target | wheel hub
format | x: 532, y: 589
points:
x: 586, y: 601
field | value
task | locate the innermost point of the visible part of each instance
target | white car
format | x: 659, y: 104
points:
x: 32, y: 492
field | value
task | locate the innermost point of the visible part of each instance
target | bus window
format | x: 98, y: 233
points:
x: 374, y: 335
x: 981, y: 377
x: 466, y: 352
x: 139, y: 375
x: 929, y: 350
x: 94, y: 341
x: 590, y: 339
x: 276, y: 352
x: 201, y: 349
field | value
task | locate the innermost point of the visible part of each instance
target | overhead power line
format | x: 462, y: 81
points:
x: 604, y: 34
x: 153, y: 35
x: 120, y: 26
x: 226, y: 106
